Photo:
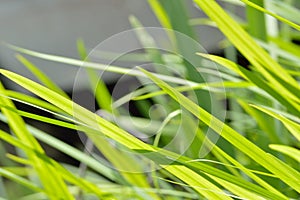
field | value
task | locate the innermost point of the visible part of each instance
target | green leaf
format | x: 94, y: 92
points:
x: 155, y: 56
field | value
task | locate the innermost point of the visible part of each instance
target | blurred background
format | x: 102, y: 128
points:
x: 54, y: 26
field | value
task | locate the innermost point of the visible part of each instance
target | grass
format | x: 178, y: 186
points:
x: 195, y: 148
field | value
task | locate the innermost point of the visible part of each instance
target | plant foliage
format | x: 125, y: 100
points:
x: 256, y: 157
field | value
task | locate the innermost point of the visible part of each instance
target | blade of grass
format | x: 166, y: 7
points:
x: 62, y: 117
x: 163, y: 17
x: 293, y: 127
x: 242, y: 193
x: 197, y: 182
x: 282, y: 19
x: 54, y: 185
x: 31, y: 100
x: 180, y: 22
x: 291, y: 104
x: 117, y: 158
x: 79, y: 112
x: 246, y: 45
x: 20, y: 180
x: 287, y: 150
x: 97, y: 66
x: 256, y: 21
x: 287, y: 174
x: 59, y: 169
x: 204, y: 86
x: 154, y: 53
x: 42, y: 77
x: 98, y: 87
x: 264, y: 121
x: 284, y: 9
x: 219, y: 153
x: 74, y: 153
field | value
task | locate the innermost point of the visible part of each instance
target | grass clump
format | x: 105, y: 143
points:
x: 191, y: 151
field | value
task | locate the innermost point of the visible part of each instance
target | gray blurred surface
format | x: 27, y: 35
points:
x: 53, y: 26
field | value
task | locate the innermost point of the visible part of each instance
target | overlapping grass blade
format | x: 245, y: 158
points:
x: 204, y: 86
x: 197, y: 182
x: 154, y: 54
x: 30, y: 100
x: 287, y: 174
x: 98, y: 87
x: 240, y: 192
x: 265, y: 122
x: 219, y: 153
x: 258, y: 57
x: 118, y: 158
x: 286, y: 10
x: 284, y: 20
x: 293, y: 127
x: 162, y: 17
x: 291, y: 104
x: 71, y: 151
x: 89, y: 187
x: 98, y: 66
x: 54, y: 185
x: 256, y: 21
x: 122, y: 136
x: 41, y: 76
x: 199, y: 166
x: 18, y: 179
x: 79, y: 112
